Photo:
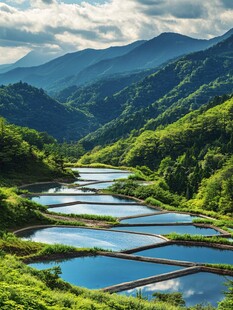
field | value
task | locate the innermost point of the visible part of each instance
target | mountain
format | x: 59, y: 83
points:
x: 24, y: 105
x: 223, y: 37
x: 148, y: 55
x: 33, y: 58
x: 192, y: 155
x: 89, y: 65
x: 85, y: 95
x: 92, y: 98
x: 61, y: 69
x: 114, y: 109
x: 168, y: 94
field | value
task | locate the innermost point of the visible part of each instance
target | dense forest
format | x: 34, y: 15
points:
x: 24, y: 105
x: 168, y: 94
x: 192, y: 155
x: 117, y: 105
x: 27, y: 155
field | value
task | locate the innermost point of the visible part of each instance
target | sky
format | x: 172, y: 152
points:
x: 62, y: 26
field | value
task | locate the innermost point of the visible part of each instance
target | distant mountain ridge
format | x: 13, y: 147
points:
x: 88, y: 65
x: 33, y: 58
x: 166, y: 95
x: 63, y: 67
x: 151, y: 54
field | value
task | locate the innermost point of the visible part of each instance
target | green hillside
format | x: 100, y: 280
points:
x: 192, y: 155
x: 24, y: 105
x: 168, y: 94
x: 23, y: 156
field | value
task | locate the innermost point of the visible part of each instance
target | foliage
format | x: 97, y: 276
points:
x: 22, y: 155
x: 17, y: 211
x: 49, y: 292
x: 163, y: 97
x: 221, y: 266
x: 70, y: 152
x: 106, y: 218
x: 152, y: 191
x: 10, y: 244
x: 191, y: 156
x: 175, y: 298
x: 198, y: 238
x: 24, y: 105
x: 227, y: 303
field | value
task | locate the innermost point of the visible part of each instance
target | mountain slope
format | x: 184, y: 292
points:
x: 93, y: 98
x: 33, y: 58
x: 150, y: 54
x: 192, y: 155
x: 25, y: 105
x: 23, y: 159
x: 166, y: 95
x: 63, y: 67
x: 88, y: 65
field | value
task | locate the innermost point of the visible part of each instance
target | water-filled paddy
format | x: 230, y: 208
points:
x: 98, y: 209
x: 197, y: 288
x: 101, y: 185
x: 50, y: 200
x: 164, y: 230
x: 54, y: 188
x: 161, y: 218
x: 100, y: 271
x: 84, y: 238
x: 98, y: 170
x: 83, y: 183
x: 104, y: 176
x: 195, y: 254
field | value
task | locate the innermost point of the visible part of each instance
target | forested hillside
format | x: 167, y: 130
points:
x: 117, y: 105
x: 94, y: 100
x: 23, y: 157
x: 168, y: 94
x: 24, y: 105
x: 192, y: 155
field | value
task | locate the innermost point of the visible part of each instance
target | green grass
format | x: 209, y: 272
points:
x: 105, y: 218
x: 220, y: 266
x: 198, y: 238
x: 98, y: 165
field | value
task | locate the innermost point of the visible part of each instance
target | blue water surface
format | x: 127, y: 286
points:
x: 196, y: 254
x: 197, y: 288
x: 164, y: 230
x: 89, y: 238
x: 160, y: 218
x: 60, y: 199
x: 98, y: 209
x: 100, y: 271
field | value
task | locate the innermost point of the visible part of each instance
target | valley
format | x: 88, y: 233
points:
x: 116, y: 177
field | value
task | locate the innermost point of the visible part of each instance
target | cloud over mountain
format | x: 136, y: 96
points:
x: 74, y: 25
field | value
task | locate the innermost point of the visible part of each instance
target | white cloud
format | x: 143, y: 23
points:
x: 13, y: 53
x: 97, y: 24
